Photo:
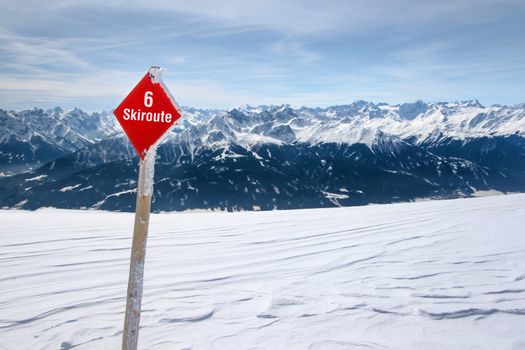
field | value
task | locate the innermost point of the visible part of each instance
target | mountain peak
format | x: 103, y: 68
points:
x: 410, y: 111
x: 472, y: 103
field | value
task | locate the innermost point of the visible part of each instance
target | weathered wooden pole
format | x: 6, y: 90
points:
x: 138, y: 252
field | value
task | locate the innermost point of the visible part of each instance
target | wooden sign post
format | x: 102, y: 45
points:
x: 146, y: 115
x: 138, y: 252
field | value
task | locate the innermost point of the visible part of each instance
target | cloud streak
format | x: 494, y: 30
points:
x: 233, y: 52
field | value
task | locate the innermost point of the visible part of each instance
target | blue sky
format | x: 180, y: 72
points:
x: 222, y: 54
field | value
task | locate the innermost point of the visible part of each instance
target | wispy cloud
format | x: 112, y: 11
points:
x: 233, y: 52
x: 33, y: 55
x: 295, y: 50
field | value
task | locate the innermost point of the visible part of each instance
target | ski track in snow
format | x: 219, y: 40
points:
x: 429, y: 275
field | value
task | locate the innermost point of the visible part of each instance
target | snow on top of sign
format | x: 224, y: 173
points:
x: 156, y: 74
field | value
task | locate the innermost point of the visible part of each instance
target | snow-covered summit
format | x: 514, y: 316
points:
x: 359, y: 122
x: 32, y: 137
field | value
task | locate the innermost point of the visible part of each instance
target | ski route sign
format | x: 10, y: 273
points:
x: 147, y: 113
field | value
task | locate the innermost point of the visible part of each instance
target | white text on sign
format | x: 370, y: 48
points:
x: 138, y: 115
x: 148, y: 99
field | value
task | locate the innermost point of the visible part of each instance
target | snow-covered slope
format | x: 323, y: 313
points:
x: 428, y: 275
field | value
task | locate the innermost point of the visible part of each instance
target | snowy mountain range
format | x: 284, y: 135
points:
x: 267, y: 157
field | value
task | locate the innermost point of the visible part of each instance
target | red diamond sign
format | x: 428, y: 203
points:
x: 147, y: 113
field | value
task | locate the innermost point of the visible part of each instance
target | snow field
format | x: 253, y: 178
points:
x: 427, y: 275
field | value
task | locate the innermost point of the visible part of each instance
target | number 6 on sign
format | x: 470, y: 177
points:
x: 148, y: 99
